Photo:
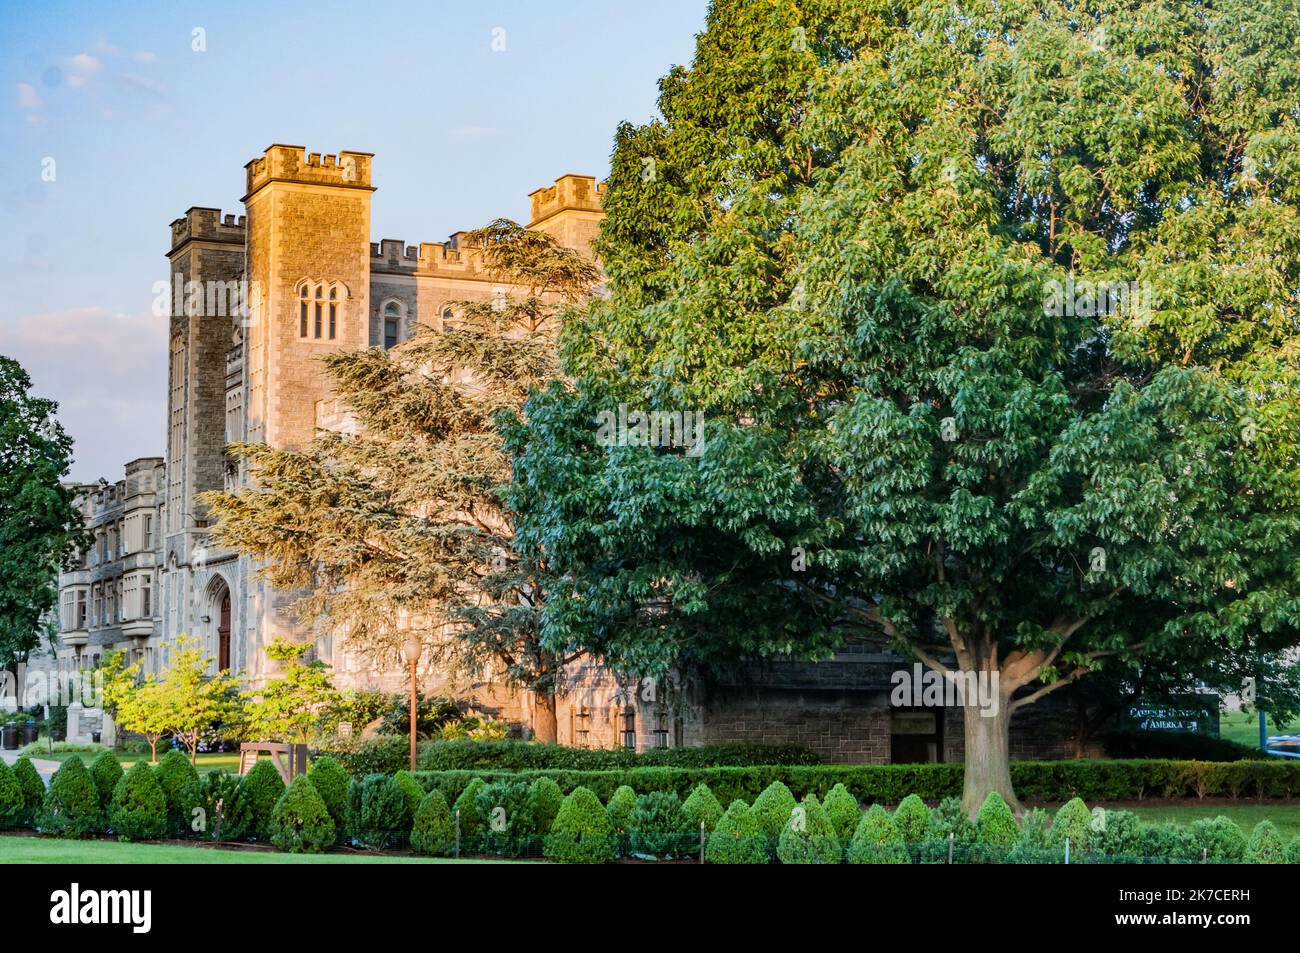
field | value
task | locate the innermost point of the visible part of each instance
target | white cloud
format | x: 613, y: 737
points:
x: 83, y: 68
x: 107, y: 371
x: 29, y: 98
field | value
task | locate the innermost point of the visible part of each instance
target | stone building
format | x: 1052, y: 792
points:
x: 255, y: 299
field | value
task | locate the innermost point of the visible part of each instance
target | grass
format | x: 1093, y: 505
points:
x: 1246, y: 816
x: 206, y: 762
x: 1243, y: 727
x: 38, y: 850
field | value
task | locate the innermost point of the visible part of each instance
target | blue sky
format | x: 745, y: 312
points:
x: 141, y: 126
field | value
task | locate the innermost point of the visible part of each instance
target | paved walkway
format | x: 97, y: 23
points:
x: 43, y: 765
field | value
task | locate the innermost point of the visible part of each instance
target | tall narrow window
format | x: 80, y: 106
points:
x: 320, y: 294
x: 302, y: 310
x: 334, y: 294
x: 392, y: 322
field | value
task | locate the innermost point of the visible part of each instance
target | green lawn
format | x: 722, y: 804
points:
x: 206, y: 762
x: 1243, y: 727
x: 1285, y: 816
x: 38, y: 850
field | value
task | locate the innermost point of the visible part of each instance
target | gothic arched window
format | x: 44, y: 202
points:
x: 392, y: 324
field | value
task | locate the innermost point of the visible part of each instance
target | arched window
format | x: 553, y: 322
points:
x: 392, y: 324
x: 318, y: 309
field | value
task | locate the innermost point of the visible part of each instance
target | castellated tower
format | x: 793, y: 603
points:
x: 309, y: 258
x: 206, y: 265
x: 569, y: 211
x: 309, y: 263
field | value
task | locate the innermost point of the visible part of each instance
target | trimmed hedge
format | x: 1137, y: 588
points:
x: 702, y: 806
x: 255, y: 799
x: 379, y: 813
x: 433, y: 831
x: 889, y: 783
x: 212, y: 805
x: 300, y: 822
x: 138, y: 809
x: 808, y: 837
x: 106, y: 772
x: 737, y: 838
x: 527, y: 755
x: 71, y: 805
x: 331, y: 783
x: 13, y: 808
x: 29, y: 779
x: 878, y: 840
x: 176, y: 774
x: 582, y: 833
x: 388, y: 754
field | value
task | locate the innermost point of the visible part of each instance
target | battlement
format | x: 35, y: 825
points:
x: 570, y: 192
x: 392, y: 255
x: 209, y: 225
x: 283, y: 163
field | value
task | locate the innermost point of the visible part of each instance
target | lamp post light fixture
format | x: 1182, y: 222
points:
x: 411, y: 650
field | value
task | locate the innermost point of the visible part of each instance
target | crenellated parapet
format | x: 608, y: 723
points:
x: 281, y: 163
x: 454, y: 258
x: 569, y: 193
x: 208, y: 225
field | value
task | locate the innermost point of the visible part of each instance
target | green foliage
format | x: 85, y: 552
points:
x: 138, y: 807
x: 808, y: 837
x: 331, y: 783
x: 1293, y: 850
x: 106, y: 771
x: 702, y: 806
x: 509, y: 827
x: 582, y: 833
x: 772, y: 810
x: 287, y: 708
x: 1265, y: 845
x: 544, y: 800
x: 912, y: 818
x: 660, y: 828
x: 384, y: 754
x: 843, y: 811
x: 255, y: 799
x: 379, y: 812
x: 13, y: 807
x: 1073, y: 822
x: 71, y: 805
x: 877, y: 839
x: 411, y: 788
x: 737, y: 838
x: 1168, y: 842
x: 526, y: 755
x: 33, y: 787
x: 175, y: 774
x: 1219, y: 841
x: 1034, y: 843
x: 1118, y: 836
x: 472, y: 824
x: 432, y: 715
x: 949, y: 826
x: 300, y: 821
x: 873, y: 262
x: 212, y: 806
x: 996, y: 823
x: 40, y: 525
x: 1177, y: 746
x: 433, y: 831
x: 621, y: 805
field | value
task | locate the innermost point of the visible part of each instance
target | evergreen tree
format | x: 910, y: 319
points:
x: 397, y: 526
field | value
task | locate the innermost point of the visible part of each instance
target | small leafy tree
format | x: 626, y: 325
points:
x: 195, y: 700
x: 146, y: 710
x: 289, y: 708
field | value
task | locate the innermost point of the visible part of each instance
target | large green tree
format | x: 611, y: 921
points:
x: 39, y: 525
x: 991, y: 309
x: 395, y: 526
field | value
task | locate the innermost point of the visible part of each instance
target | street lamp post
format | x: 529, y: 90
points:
x: 411, y: 649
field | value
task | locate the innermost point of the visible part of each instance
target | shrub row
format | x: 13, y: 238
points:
x: 1034, y: 780
x: 388, y: 755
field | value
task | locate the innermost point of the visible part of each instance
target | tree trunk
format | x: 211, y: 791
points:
x: 544, y: 724
x: 988, y: 757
